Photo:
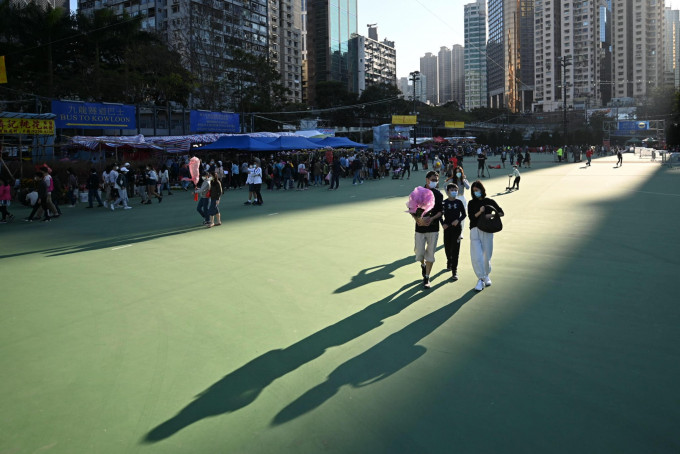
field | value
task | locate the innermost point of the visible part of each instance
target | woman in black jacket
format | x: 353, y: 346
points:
x: 481, y: 243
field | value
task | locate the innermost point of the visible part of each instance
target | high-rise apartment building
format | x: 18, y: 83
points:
x: 445, y: 75
x: 404, y: 87
x: 376, y: 61
x: 510, y: 54
x: 330, y: 26
x: 638, y: 48
x: 285, y: 44
x: 672, y: 48
x: 458, y: 68
x: 43, y: 3
x: 475, y: 54
x: 570, y: 49
x: 428, y: 68
x: 204, y: 32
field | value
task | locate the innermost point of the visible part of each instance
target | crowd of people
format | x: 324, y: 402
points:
x: 116, y: 185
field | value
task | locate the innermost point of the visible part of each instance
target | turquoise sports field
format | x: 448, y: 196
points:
x: 301, y: 326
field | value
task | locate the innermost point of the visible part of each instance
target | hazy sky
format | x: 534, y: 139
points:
x: 416, y: 26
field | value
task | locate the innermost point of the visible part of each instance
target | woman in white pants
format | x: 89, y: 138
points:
x: 481, y: 243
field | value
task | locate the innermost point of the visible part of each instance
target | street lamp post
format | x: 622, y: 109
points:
x: 414, y: 77
x: 564, y: 62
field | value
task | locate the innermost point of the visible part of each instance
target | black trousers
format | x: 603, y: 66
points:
x: 406, y: 169
x: 515, y: 184
x: 452, y: 246
x: 258, y: 196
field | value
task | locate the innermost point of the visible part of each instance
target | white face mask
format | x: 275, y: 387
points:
x: 433, y: 184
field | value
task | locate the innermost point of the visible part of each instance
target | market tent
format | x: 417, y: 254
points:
x: 289, y: 143
x: 240, y: 142
x: 340, y: 142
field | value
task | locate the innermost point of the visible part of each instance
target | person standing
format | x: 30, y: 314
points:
x: 93, y: 189
x: 527, y: 159
x: 203, y: 197
x: 619, y: 156
x: 515, y: 173
x: 71, y: 185
x: 255, y: 173
x: 336, y: 168
x: 49, y: 182
x: 481, y: 160
x: 215, y: 196
x: 520, y: 158
x: 504, y: 156
x: 427, y: 229
x: 481, y: 243
x: 454, y: 213
x: 5, y: 200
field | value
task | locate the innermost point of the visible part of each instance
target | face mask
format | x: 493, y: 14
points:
x: 433, y: 184
x: 453, y: 193
x: 458, y: 175
x: 478, y: 194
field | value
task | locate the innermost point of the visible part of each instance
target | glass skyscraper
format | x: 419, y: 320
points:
x: 330, y: 25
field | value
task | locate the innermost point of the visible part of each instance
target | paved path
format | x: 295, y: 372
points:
x: 300, y: 326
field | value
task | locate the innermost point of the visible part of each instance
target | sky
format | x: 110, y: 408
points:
x: 416, y: 26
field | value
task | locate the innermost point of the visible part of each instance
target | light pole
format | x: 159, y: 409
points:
x: 414, y: 77
x: 564, y: 62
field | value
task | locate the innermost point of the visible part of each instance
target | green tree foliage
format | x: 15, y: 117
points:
x: 103, y: 57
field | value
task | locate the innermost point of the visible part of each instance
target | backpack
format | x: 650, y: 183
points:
x: 120, y: 181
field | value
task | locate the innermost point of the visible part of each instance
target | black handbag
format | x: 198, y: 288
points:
x: 492, y: 225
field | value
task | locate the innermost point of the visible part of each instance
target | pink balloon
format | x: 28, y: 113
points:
x: 194, y: 164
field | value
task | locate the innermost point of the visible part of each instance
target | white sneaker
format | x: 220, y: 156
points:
x: 487, y: 281
x: 127, y: 208
x: 106, y: 204
x: 480, y: 285
x: 113, y: 207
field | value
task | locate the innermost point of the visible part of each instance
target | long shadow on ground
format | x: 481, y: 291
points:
x: 377, y: 363
x: 242, y: 386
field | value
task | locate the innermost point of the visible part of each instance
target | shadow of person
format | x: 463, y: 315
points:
x: 242, y: 386
x: 377, y: 363
x: 376, y: 273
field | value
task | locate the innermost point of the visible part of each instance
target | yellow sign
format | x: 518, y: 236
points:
x: 404, y: 119
x: 3, y: 70
x: 24, y: 126
x: 454, y: 124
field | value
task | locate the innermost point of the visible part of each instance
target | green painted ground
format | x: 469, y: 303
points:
x: 301, y: 327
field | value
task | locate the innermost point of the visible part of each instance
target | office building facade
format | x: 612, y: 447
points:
x: 475, y: 55
x: 330, y: 26
x: 510, y: 54
x: 672, y: 48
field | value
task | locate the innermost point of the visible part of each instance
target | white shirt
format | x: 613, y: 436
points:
x: 255, y: 175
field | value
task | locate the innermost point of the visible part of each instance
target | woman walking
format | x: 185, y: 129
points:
x: 215, y: 195
x: 164, y: 176
x: 462, y: 184
x: 151, y: 184
x: 481, y: 243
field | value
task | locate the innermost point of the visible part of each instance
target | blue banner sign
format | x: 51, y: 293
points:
x: 633, y: 125
x: 85, y: 115
x: 204, y: 121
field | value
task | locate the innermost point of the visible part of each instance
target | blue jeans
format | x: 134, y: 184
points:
x: 202, y: 208
x: 357, y: 176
